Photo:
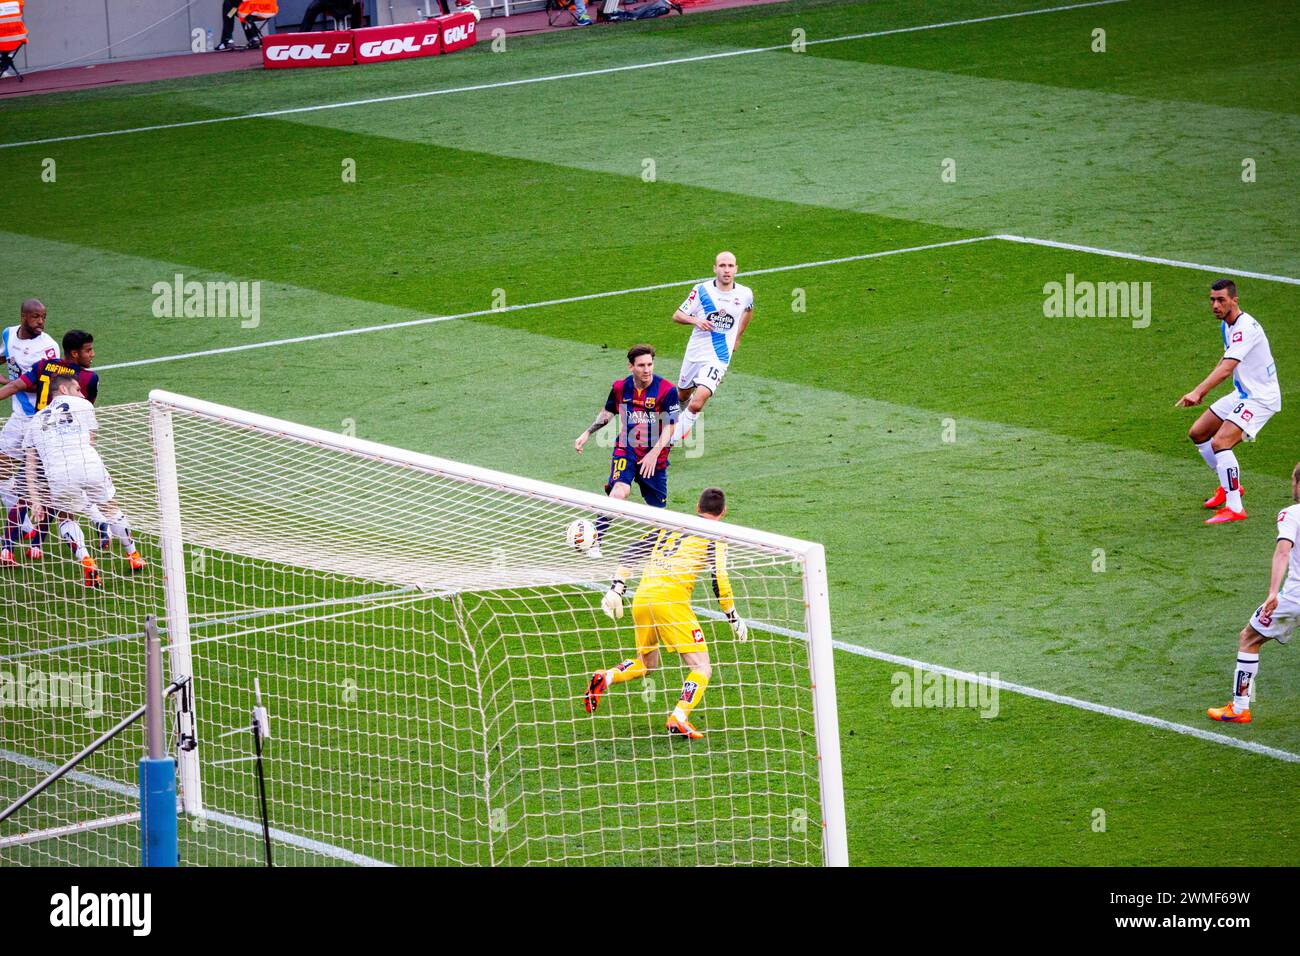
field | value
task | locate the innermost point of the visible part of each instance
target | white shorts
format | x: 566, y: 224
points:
x: 75, y: 492
x: 709, y: 374
x: 11, y: 437
x: 1281, y: 623
x: 1246, y: 413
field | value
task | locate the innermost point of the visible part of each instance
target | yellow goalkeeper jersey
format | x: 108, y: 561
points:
x: 674, y: 562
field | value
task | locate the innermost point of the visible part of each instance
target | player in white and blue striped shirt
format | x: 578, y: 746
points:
x: 720, y: 310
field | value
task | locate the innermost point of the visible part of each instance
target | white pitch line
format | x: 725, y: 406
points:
x: 268, y: 114
x: 1022, y: 689
x: 587, y: 297
x: 428, y: 320
x: 1155, y: 260
x: 1047, y: 695
x: 237, y: 823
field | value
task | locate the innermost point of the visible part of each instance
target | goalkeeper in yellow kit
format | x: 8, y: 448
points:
x: 661, y: 610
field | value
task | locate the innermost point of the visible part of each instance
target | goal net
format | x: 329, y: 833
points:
x: 423, y: 636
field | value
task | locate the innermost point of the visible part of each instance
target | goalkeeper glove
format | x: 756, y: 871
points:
x: 738, y: 626
x: 612, y: 602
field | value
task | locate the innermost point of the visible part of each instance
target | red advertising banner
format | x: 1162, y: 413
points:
x: 397, y: 42
x: 458, y: 30
x: 285, y: 51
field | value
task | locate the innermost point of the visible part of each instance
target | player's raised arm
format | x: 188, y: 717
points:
x: 29, y: 381
x: 14, y: 386
x: 1222, y: 372
x: 603, y: 419
x: 722, y: 588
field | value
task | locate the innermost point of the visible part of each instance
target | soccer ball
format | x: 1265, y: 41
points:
x: 467, y: 6
x: 581, y: 534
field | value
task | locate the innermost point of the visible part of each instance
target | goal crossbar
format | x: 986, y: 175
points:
x: 486, y: 477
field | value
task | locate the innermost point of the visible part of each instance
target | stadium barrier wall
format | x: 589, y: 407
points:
x: 288, y: 51
x: 67, y: 33
x: 446, y: 34
x: 400, y: 41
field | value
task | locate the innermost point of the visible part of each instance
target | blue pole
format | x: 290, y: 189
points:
x: 158, y: 812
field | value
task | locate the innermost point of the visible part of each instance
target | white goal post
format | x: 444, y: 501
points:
x: 423, y: 635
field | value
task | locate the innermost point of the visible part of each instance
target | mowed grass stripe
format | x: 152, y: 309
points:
x: 984, y: 680
x: 779, y: 444
x: 921, y: 425
x: 1152, y: 50
x: 1039, y: 785
x: 681, y: 284
x: 581, y: 74
x: 881, y: 135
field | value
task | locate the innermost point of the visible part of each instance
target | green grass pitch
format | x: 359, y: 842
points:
x: 998, y: 491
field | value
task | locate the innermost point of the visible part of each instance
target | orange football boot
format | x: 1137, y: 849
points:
x: 1224, y: 515
x: 1220, y: 497
x: 137, y: 562
x: 93, y: 578
x: 598, y: 686
x: 1228, y: 714
x: 682, y: 728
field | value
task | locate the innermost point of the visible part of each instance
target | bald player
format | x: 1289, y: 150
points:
x: 21, y: 346
x: 719, y: 310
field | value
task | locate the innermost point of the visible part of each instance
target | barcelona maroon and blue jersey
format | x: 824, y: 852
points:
x: 642, y: 414
x: 44, y: 372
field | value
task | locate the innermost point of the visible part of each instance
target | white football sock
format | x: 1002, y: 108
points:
x: 684, y: 425
x: 1206, y: 448
x: 70, y: 531
x: 1243, y: 681
x: 1229, y: 477
x: 122, y: 529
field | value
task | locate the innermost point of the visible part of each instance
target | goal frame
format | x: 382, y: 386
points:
x: 812, y: 555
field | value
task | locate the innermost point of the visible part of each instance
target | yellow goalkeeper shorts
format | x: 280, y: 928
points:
x: 671, y: 625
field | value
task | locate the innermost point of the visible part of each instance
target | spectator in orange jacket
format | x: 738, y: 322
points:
x: 228, y: 10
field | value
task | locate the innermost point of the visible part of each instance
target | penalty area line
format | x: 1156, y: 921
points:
x: 700, y: 58
x: 430, y: 319
x: 1025, y: 691
x: 1154, y: 260
x: 659, y: 286
x: 1022, y: 689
